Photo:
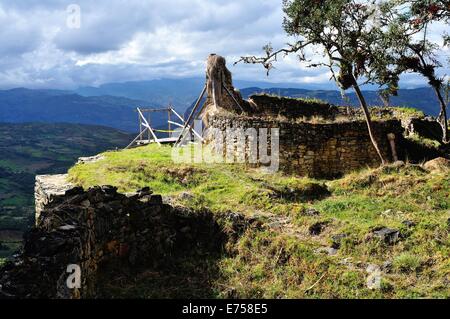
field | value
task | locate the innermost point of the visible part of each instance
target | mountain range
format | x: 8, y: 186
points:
x: 114, y: 104
x: 178, y: 92
x: 24, y: 105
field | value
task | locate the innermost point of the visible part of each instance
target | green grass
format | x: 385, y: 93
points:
x: 405, y: 112
x: 407, y: 262
x: 286, y: 261
x: 304, y: 100
x: 426, y: 142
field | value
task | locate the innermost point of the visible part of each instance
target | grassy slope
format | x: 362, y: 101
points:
x: 282, y: 259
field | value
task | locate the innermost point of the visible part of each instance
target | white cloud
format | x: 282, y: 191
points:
x: 139, y: 39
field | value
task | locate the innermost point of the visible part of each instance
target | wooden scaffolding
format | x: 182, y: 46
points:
x: 149, y: 134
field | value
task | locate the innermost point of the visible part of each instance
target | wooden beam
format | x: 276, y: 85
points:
x: 168, y: 121
x: 153, y: 110
x: 149, y: 121
x: 196, y: 133
x: 186, y: 125
x: 176, y: 124
x: 139, y: 137
x: 178, y: 115
x: 148, y: 126
x: 232, y: 96
x: 140, y: 126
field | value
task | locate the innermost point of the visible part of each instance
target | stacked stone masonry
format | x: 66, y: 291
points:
x: 317, y: 150
x: 95, y: 227
x: 292, y: 108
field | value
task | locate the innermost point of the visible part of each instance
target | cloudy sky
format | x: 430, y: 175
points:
x: 41, y: 45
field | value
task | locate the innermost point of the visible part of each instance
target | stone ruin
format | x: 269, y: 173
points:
x: 315, y: 139
x: 100, y: 227
x: 316, y: 150
x: 219, y: 86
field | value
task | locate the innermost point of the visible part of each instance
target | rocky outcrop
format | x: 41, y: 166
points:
x: 49, y: 186
x: 439, y: 164
x: 90, y: 229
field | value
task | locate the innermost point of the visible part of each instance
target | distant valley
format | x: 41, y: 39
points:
x: 24, y: 105
x: 29, y: 149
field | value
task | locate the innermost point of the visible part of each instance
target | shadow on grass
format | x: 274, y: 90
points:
x: 190, y: 277
x: 189, y: 270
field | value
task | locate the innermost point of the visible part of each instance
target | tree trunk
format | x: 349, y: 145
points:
x: 362, y: 102
x: 442, y: 119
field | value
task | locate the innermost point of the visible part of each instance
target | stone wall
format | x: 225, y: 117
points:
x: 424, y: 127
x: 292, y: 108
x: 49, y: 186
x: 99, y: 226
x: 319, y: 150
x: 46, y: 188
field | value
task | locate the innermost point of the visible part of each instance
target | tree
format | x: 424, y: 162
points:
x: 429, y: 10
x: 346, y: 32
x: 420, y: 58
x: 410, y: 53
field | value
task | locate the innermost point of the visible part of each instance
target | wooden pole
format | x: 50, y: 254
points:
x: 147, y: 125
x: 232, y: 96
x: 140, y: 127
x: 181, y: 125
x: 177, y: 124
x: 186, y: 125
x: 139, y: 137
x: 168, y: 117
x: 178, y: 115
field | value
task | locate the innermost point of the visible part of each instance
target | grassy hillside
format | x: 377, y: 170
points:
x: 30, y: 149
x: 315, y: 239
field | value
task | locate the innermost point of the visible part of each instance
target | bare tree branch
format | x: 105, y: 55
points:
x: 271, y: 56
